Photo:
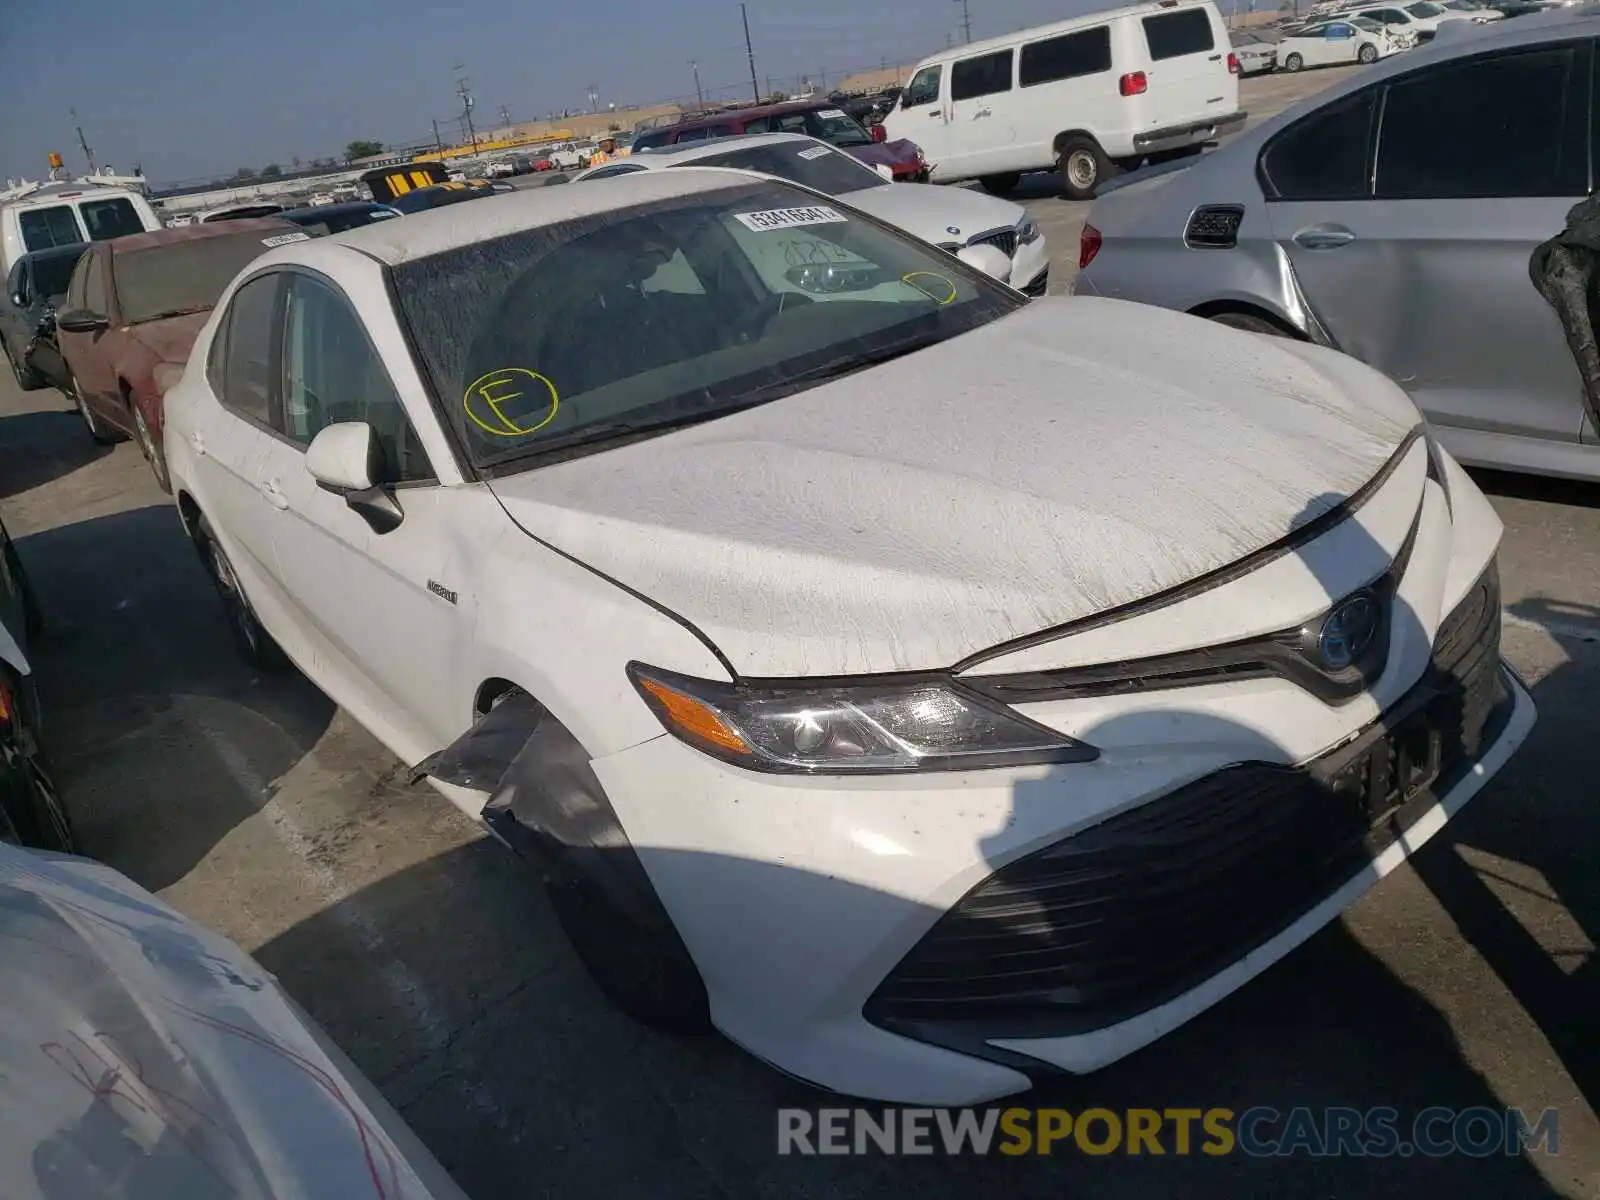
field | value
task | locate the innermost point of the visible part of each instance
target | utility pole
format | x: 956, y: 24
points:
x: 438, y: 144
x: 594, y: 98
x: 700, y: 96
x: 87, y: 153
x: 823, y: 71
x: 966, y: 21
x: 466, y: 109
x: 505, y: 115
x: 750, y: 55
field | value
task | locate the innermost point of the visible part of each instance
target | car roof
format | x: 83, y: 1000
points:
x: 195, y: 232
x: 434, y: 232
x: 752, y: 111
x: 1152, y: 9
x: 670, y: 156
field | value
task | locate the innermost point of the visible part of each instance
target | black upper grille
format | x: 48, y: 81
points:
x: 1005, y: 241
x: 1039, y: 285
x: 1138, y: 909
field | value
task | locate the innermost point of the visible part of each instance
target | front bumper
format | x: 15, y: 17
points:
x: 819, y: 911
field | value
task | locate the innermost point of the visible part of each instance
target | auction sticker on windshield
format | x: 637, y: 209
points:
x: 283, y: 239
x: 788, y: 218
x: 832, y: 112
x: 814, y: 152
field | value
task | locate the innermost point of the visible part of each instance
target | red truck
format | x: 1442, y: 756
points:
x: 137, y: 303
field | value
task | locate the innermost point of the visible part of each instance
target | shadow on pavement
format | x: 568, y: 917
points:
x: 162, y: 739
x: 471, y: 1014
x: 37, y: 447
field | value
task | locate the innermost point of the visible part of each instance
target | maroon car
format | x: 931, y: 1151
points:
x: 137, y: 303
x: 820, y: 119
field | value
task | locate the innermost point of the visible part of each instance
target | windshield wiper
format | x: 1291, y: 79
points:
x: 174, y: 312
x: 595, y: 436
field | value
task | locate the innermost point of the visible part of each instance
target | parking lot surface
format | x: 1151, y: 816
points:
x: 430, y: 954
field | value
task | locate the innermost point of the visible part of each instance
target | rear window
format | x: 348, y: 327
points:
x: 652, y: 140
x: 183, y: 277
x: 109, y: 219
x: 815, y: 166
x: 1087, y: 52
x: 43, y: 228
x: 1172, y: 35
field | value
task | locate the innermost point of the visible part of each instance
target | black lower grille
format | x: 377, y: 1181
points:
x: 1132, y: 912
x: 1005, y: 241
x: 1039, y: 285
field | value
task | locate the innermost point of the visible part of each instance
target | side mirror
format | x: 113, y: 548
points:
x: 991, y: 260
x: 81, y: 320
x: 878, y: 133
x: 346, y: 459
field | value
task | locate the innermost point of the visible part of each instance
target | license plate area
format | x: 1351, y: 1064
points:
x: 1387, y: 770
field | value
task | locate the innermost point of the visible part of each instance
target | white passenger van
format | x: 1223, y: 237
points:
x: 1084, y: 97
x: 37, y: 216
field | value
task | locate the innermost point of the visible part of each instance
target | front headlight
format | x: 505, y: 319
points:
x: 1027, y: 231
x: 868, y: 728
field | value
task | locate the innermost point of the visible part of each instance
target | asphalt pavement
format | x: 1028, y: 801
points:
x: 1469, y: 978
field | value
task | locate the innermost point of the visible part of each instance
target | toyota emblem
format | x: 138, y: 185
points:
x: 1348, y: 631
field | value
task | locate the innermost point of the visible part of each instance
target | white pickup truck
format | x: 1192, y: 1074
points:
x: 569, y: 156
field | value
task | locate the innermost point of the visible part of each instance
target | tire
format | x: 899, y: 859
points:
x: 27, y: 378
x: 254, y: 643
x: 1367, y: 55
x: 1000, y: 185
x: 645, y: 979
x: 1293, y: 63
x: 32, y: 614
x: 31, y: 811
x: 152, y: 451
x: 1083, y: 166
x: 98, y: 429
x: 1250, y: 322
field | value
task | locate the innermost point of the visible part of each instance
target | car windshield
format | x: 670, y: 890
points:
x: 183, y: 277
x: 1366, y: 23
x: 51, y: 273
x: 1424, y: 9
x: 809, y: 163
x: 839, y: 127
x: 555, y: 341
x: 1239, y: 39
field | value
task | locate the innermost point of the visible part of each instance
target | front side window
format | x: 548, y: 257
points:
x: 52, y: 272
x: 981, y: 76
x: 1070, y: 56
x: 43, y: 228
x: 331, y: 373
x: 923, y: 88
x: 613, y: 172
x: 1504, y: 125
x: 94, y: 287
x: 1172, y: 35
x: 835, y: 126
x: 107, y: 219
x: 724, y: 299
x: 247, y: 382
x: 1339, y: 30
x: 1322, y: 156
x: 183, y: 277
x: 808, y: 163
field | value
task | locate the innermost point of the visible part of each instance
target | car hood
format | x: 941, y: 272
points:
x: 935, y: 213
x: 888, y: 154
x: 171, y: 338
x: 1074, y: 456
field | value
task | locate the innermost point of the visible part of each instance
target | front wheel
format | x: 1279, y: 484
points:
x: 153, y: 453
x: 1293, y: 63
x: 98, y: 429
x: 1082, y: 166
x: 1368, y: 54
x: 255, y: 644
x: 27, y: 378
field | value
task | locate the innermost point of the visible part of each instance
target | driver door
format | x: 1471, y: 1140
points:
x: 390, y: 611
x: 921, y: 118
x: 1339, y: 43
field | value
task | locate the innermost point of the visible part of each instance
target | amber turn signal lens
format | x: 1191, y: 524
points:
x: 694, y: 718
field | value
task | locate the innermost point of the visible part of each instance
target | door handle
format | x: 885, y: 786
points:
x: 274, y: 494
x: 1323, y: 237
x: 982, y: 112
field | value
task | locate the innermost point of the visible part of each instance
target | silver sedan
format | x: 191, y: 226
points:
x: 1394, y: 217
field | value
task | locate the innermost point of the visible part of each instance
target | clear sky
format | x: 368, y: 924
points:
x: 188, y: 88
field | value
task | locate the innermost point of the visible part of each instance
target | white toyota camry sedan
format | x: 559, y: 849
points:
x: 926, y: 687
